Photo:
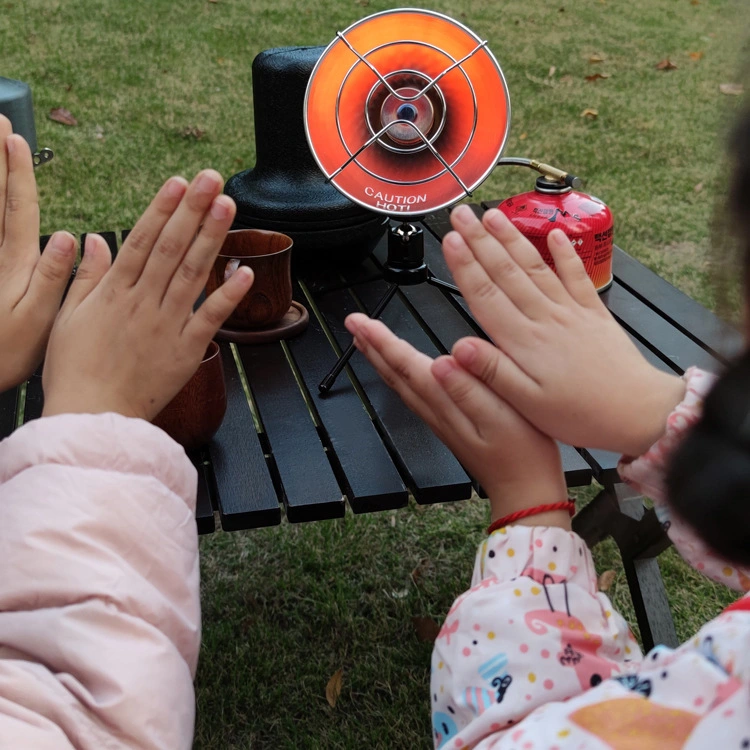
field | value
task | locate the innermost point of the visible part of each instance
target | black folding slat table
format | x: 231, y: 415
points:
x: 286, y: 452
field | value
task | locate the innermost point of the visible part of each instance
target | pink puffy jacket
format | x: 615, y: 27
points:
x: 99, y: 600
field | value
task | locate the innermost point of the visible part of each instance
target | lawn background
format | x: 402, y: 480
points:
x: 161, y: 87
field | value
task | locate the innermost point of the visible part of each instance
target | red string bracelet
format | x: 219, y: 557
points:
x: 568, y: 505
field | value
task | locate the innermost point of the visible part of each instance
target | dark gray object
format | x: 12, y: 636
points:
x: 17, y: 105
x: 286, y: 191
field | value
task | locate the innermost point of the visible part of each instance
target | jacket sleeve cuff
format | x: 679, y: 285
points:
x: 646, y: 473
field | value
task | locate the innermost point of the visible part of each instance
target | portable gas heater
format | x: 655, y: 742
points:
x: 406, y: 112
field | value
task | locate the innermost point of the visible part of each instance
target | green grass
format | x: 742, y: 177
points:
x: 285, y: 608
x: 141, y: 78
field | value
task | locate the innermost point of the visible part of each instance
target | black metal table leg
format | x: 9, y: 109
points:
x: 618, y: 511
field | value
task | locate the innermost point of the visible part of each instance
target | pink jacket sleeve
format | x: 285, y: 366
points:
x: 99, y: 592
x: 646, y: 474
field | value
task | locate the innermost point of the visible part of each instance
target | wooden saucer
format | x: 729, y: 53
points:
x: 294, y: 322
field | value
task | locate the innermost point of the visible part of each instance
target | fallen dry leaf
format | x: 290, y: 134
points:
x: 591, y: 114
x: 697, y: 55
x: 62, y: 115
x: 427, y: 629
x: 248, y: 624
x: 523, y: 136
x: 606, y: 580
x: 597, y: 58
x: 597, y: 76
x: 666, y: 64
x: 423, y: 566
x: 551, y: 71
x: 699, y: 187
x: 545, y: 82
x: 192, y: 132
x: 333, y: 688
x: 732, y: 89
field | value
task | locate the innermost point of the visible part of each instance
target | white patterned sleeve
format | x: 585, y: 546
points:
x: 532, y: 629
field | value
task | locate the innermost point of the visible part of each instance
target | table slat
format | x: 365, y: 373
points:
x: 669, y: 343
x: 366, y: 470
x: 34, y: 403
x: 8, y: 402
x: 681, y: 311
x: 311, y: 491
x: 245, y: 491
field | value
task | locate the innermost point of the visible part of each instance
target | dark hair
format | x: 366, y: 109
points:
x: 708, y: 481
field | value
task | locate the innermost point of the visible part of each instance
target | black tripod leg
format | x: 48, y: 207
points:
x: 328, y: 380
x: 443, y: 285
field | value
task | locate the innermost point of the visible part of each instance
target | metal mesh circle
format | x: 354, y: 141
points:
x: 406, y: 111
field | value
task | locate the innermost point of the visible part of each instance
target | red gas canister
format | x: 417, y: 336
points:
x: 585, y: 219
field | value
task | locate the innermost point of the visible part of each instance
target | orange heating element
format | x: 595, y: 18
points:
x: 407, y: 111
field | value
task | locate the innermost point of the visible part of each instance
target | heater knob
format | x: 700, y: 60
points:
x: 409, y: 117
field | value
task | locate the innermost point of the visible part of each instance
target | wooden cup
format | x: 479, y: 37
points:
x: 269, y: 254
x: 194, y: 415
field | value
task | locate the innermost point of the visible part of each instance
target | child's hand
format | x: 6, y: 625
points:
x: 516, y: 465
x: 126, y: 339
x: 31, y: 285
x: 560, y: 358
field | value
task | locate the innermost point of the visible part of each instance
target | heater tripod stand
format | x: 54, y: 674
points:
x: 404, y: 266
